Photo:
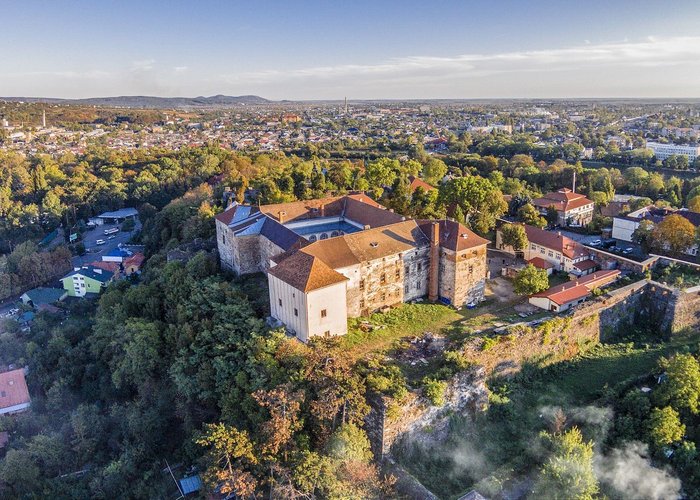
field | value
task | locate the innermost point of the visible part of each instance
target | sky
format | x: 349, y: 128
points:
x: 357, y: 49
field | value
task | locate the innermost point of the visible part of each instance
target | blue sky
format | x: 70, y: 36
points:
x: 360, y: 49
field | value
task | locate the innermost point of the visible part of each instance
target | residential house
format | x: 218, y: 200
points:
x: 14, y: 394
x: 86, y: 280
x: 572, y: 208
x: 624, y: 226
x: 563, y: 253
x: 566, y: 295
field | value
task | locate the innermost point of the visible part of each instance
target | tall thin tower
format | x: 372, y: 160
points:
x: 346, y: 105
x: 43, y: 119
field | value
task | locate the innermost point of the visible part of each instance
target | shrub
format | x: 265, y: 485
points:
x: 435, y: 391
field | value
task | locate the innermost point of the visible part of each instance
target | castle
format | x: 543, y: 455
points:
x: 348, y: 256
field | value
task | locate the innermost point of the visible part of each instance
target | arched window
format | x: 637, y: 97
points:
x: 324, y: 236
x: 312, y: 238
x: 335, y: 233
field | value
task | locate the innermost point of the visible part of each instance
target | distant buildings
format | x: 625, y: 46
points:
x: 339, y: 257
x: 663, y: 151
x: 572, y: 208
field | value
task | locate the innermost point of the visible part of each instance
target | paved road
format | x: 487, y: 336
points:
x: 94, y: 251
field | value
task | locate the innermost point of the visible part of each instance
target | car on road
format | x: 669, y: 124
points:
x: 595, y: 243
x: 100, y: 242
x: 111, y: 237
x: 628, y: 250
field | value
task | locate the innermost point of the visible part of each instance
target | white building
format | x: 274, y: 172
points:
x: 663, y: 151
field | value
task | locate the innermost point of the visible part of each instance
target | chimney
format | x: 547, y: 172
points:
x: 434, y: 266
x: 281, y: 216
x: 573, y: 188
x: 322, y: 210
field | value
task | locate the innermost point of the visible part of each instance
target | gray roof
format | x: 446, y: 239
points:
x: 120, y: 214
x: 92, y: 272
x: 44, y: 295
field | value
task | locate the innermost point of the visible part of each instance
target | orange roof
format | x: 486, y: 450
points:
x: 306, y: 272
x: 578, y: 289
x: 555, y: 241
x: 134, y: 260
x: 540, y: 263
x: 563, y: 200
x: 13, y: 389
x: 112, y: 267
x: 419, y: 183
x: 453, y: 235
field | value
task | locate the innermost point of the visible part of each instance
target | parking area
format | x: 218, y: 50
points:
x: 95, y: 251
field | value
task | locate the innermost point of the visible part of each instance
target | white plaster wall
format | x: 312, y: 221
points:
x: 291, y: 298
x: 331, y: 298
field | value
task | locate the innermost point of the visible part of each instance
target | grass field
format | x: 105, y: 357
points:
x: 499, y: 447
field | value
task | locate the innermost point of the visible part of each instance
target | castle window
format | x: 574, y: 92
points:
x: 296, y: 312
x: 471, y: 269
x: 382, y: 278
x: 323, y: 313
x: 280, y: 302
x: 405, y: 288
x: 418, y: 285
x: 223, y: 237
x: 362, y: 303
x: 324, y: 236
x: 398, y: 273
x: 312, y: 238
x: 420, y: 267
x: 383, y: 297
x: 406, y: 270
x: 362, y: 284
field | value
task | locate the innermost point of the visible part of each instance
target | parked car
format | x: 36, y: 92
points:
x: 595, y: 243
x: 628, y: 250
x: 111, y: 237
x: 100, y: 242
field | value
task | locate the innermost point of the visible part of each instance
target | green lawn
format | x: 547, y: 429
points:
x: 501, y: 443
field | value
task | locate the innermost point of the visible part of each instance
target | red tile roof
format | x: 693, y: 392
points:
x: 563, y: 200
x: 453, y: 235
x: 13, y: 389
x: 540, y: 263
x: 306, y: 272
x: 419, y: 183
x: 579, y: 288
x: 555, y: 241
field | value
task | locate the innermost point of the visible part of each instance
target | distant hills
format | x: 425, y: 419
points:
x: 137, y: 101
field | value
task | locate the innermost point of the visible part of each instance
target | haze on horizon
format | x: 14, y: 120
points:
x: 367, y: 50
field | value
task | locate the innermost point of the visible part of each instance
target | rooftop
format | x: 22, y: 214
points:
x: 563, y: 200
x: 579, y: 288
x: 13, y: 389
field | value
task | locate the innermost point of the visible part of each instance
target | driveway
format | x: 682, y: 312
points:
x: 93, y: 251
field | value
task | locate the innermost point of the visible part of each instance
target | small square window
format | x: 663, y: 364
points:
x: 362, y: 284
x: 323, y: 313
x: 420, y: 267
x: 280, y: 302
x: 382, y: 278
x: 398, y: 273
x: 296, y: 312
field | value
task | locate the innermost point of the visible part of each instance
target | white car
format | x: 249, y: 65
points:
x: 595, y: 243
x: 100, y: 242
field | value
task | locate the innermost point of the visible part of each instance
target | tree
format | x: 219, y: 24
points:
x: 552, y: 216
x: 674, y: 233
x: 434, y: 170
x: 283, y: 405
x: 514, y: 235
x: 681, y: 389
x: 568, y: 473
x: 230, y: 454
x: 694, y: 204
x: 636, y: 178
x: 531, y: 280
x: 529, y: 215
x: 642, y: 235
x: 481, y: 202
x: 665, y: 427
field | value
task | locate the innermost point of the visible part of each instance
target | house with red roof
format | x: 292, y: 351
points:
x: 562, y: 297
x: 563, y: 253
x: 572, y: 208
x: 14, y: 394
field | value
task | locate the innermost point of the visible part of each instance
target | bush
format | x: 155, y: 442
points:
x: 435, y: 391
x: 128, y: 225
